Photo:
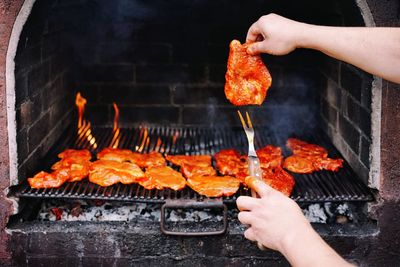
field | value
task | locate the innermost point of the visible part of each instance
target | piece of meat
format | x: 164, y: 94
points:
x: 142, y: 160
x: 279, y: 179
x: 270, y: 156
x: 151, y: 159
x: 82, y: 154
x: 229, y: 162
x: 115, y: 154
x: 193, y: 170
x: 299, y: 164
x: 108, y: 172
x: 328, y: 164
x: 166, y: 177
x: 150, y: 184
x: 197, y: 160
x: 214, y: 186
x: 308, y: 158
x: 48, y: 180
x: 77, y: 169
x: 300, y: 147
x: 247, y: 78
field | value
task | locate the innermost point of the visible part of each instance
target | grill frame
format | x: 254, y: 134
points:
x: 320, y: 186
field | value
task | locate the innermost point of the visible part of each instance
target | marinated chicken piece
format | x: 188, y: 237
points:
x: 193, y: 170
x: 150, y: 184
x: 279, y: 179
x: 329, y: 164
x: 197, y: 160
x: 142, y: 160
x: 270, y: 156
x: 166, y: 177
x: 300, y: 147
x: 299, y: 164
x: 108, y: 172
x: 115, y: 154
x: 48, y: 180
x: 151, y: 159
x: 214, y: 186
x: 229, y: 162
x: 83, y: 154
x: 247, y: 78
x: 77, y: 169
x: 308, y: 158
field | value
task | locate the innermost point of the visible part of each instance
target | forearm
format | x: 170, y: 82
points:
x: 375, y: 50
x: 308, y: 249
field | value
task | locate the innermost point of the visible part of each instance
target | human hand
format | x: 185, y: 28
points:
x: 274, y: 34
x: 274, y: 220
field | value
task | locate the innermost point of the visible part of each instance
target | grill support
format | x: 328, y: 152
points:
x: 185, y: 204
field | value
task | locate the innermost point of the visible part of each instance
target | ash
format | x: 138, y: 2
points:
x: 97, y: 211
x: 329, y: 213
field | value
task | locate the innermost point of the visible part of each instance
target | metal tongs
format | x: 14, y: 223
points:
x: 253, y: 161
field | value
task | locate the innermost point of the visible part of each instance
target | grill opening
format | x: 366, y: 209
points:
x: 319, y: 186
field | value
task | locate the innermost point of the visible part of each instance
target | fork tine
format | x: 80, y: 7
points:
x: 242, y: 120
x: 249, y: 121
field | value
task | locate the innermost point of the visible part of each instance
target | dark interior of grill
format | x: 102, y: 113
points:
x: 165, y: 70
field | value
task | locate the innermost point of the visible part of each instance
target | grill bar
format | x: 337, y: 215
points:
x: 316, y: 187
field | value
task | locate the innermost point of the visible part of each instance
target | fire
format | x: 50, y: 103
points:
x: 116, y: 116
x: 175, y: 137
x: 116, y: 130
x: 159, y: 145
x: 84, y: 127
x: 80, y: 102
x: 144, y: 133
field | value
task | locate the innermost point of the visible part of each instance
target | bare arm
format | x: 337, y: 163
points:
x: 375, y: 50
x: 277, y: 222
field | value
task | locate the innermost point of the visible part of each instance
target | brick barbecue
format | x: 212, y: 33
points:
x: 164, y: 64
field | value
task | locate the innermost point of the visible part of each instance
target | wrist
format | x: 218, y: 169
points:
x: 296, y: 239
x: 306, y: 33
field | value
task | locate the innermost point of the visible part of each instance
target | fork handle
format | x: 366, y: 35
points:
x: 254, y: 170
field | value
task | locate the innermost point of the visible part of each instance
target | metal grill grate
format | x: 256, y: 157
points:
x: 317, y: 187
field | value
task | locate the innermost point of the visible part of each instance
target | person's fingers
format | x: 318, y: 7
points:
x: 257, y: 48
x: 259, y: 186
x: 246, y: 203
x: 253, y: 33
x: 249, y: 234
x: 245, y: 217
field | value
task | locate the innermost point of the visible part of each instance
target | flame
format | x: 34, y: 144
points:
x: 175, y: 137
x: 84, y: 127
x: 144, y: 133
x: 116, y: 116
x: 158, y: 144
x: 80, y: 102
x: 116, y: 137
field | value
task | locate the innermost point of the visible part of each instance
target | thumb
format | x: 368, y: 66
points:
x: 258, y: 48
x: 258, y: 185
x: 255, y: 48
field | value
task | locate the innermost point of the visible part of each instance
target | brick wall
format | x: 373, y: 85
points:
x: 345, y: 103
x: 43, y: 99
x: 169, y: 67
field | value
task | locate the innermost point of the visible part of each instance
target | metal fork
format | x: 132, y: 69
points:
x: 254, y: 162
